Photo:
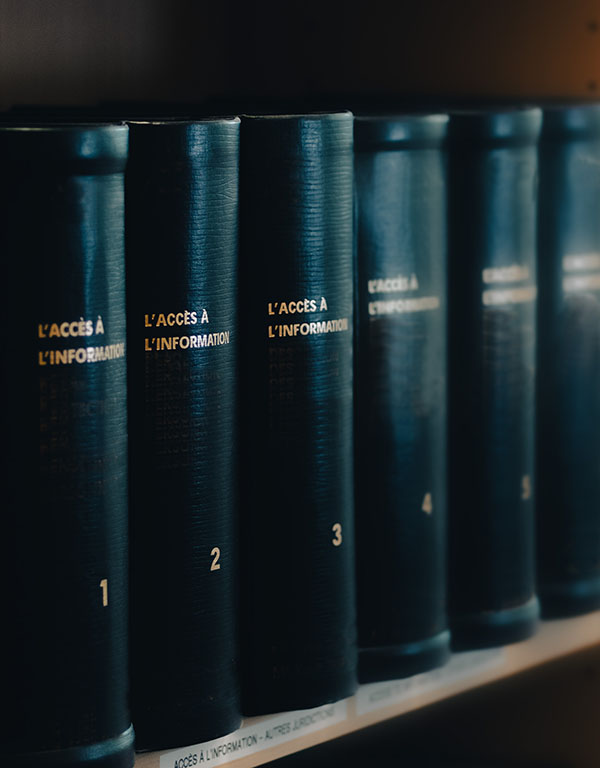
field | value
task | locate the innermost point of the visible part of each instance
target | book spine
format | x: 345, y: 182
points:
x: 492, y: 313
x: 298, y: 602
x: 568, y: 394
x: 66, y: 538
x: 182, y: 239
x: 400, y: 396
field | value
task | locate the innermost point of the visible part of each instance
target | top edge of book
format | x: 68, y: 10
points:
x: 395, y: 130
x: 91, y: 121
x: 101, y: 148
x: 63, y: 126
x: 565, y: 120
x: 181, y: 121
x: 342, y: 114
x: 517, y: 124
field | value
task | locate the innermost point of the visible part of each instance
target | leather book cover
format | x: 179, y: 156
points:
x: 297, y: 511
x: 400, y: 394
x: 492, y: 341
x: 182, y: 245
x: 65, y: 538
x: 568, y: 393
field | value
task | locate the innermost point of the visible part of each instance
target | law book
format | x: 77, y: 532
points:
x: 400, y: 394
x: 182, y: 248
x: 492, y: 342
x: 64, y: 423
x: 298, y: 599
x: 568, y: 392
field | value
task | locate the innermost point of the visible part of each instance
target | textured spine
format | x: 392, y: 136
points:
x: 182, y: 207
x: 492, y: 326
x: 299, y: 630
x: 568, y: 393
x: 65, y: 511
x: 400, y: 395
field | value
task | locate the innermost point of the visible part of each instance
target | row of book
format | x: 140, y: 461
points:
x: 317, y: 401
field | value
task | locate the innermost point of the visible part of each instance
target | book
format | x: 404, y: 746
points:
x: 65, y: 538
x: 400, y: 394
x: 492, y: 340
x: 568, y: 393
x: 298, y: 601
x: 182, y: 246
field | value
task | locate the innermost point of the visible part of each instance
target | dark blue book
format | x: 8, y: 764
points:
x: 182, y: 246
x: 297, y: 508
x: 400, y: 394
x: 492, y: 344
x: 568, y: 394
x: 64, y: 420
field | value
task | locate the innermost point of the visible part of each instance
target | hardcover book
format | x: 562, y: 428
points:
x: 568, y: 393
x: 298, y: 600
x: 64, y: 479
x: 400, y: 395
x: 182, y: 240
x: 492, y: 337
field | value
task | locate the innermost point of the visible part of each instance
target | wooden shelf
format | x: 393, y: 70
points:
x: 263, y: 739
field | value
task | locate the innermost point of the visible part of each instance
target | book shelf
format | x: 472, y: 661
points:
x: 175, y: 50
x: 263, y: 739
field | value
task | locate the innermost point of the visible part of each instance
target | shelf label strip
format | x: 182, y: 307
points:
x: 263, y: 734
x: 461, y: 666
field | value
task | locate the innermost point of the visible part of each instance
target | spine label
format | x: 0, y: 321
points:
x: 248, y: 740
x: 183, y: 318
x: 583, y: 272
x: 73, y: 329
x: 375, y: 696
x: 402, y: 305
x: 513, y: 273
x: 303, y: 306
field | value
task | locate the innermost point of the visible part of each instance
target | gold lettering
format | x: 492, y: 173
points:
x: 104, y: 588
x: 215, y: 553
x: 337, y: 529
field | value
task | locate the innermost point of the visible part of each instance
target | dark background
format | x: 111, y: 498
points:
x: 82, y: 51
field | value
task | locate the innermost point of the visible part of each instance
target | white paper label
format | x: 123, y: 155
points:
x: 461, y: 666
x: 267, y: 732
